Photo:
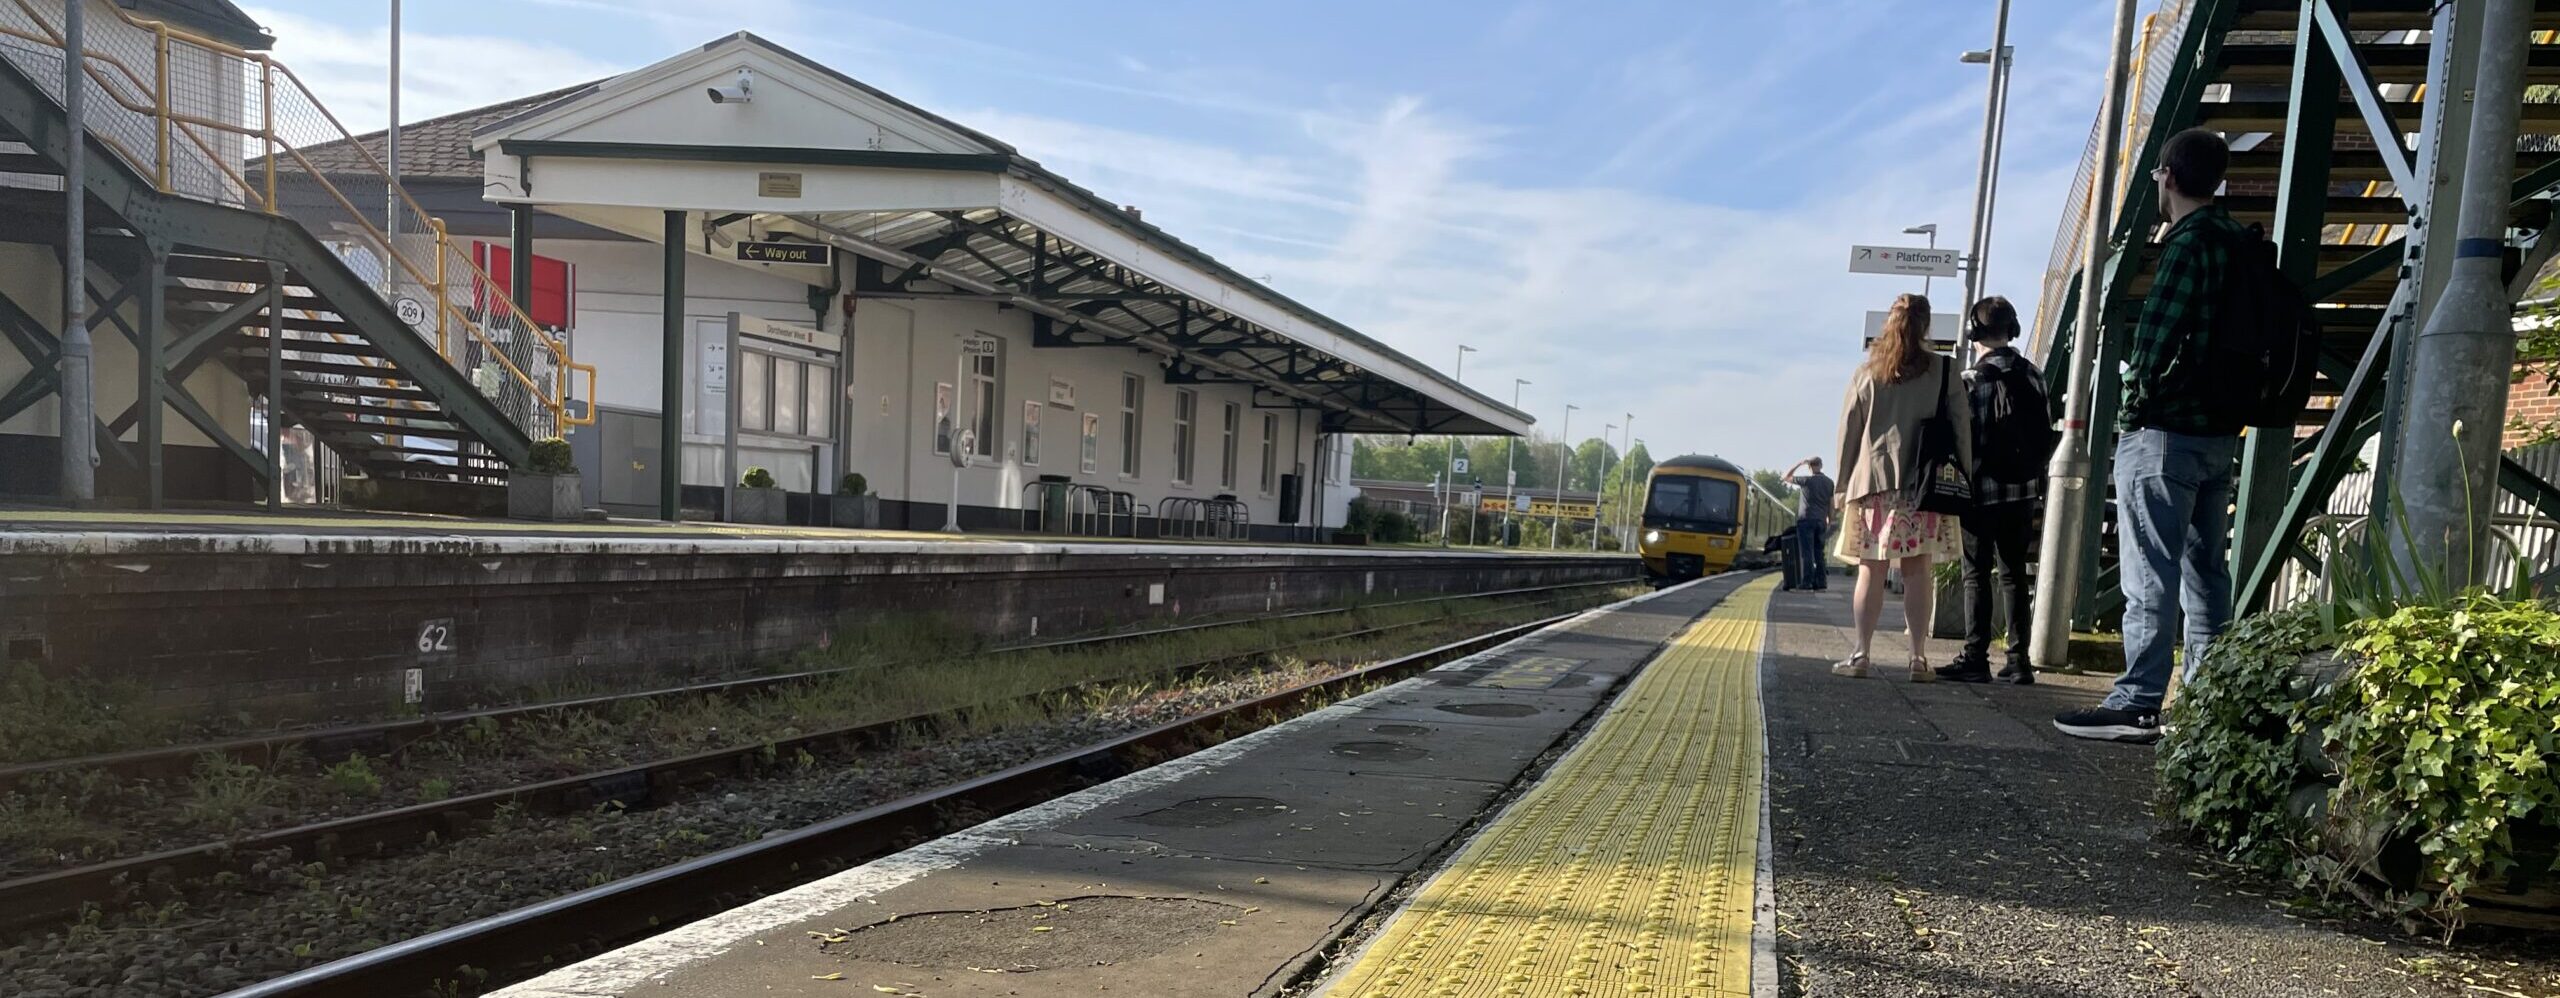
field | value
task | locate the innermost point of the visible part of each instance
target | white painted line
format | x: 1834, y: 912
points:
x: 618, y: 972
x: 73, y: 542
x: 1764, y: 881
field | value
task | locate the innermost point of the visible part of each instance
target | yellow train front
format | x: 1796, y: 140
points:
x: 1694, y: 513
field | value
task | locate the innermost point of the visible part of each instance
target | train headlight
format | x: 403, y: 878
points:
x: 1653, y: 537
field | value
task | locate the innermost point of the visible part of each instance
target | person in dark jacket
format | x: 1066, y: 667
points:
x: 2012, y: 438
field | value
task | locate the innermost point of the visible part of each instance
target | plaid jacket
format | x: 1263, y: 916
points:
x: 2177, y: 326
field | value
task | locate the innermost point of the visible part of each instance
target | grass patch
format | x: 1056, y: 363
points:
x: 44, y: 718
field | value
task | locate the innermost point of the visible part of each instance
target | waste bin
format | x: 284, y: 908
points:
x: 1055, y: 504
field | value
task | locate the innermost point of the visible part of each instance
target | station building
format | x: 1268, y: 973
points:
x: 813, y: 277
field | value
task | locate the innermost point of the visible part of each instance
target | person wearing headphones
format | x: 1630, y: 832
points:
x: 2012, y: 438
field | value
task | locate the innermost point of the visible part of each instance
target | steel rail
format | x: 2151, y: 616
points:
x: 504, y: 948
x: 58, y: 895
x: 381, y: 739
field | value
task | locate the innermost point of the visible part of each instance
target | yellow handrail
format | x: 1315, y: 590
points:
x: 166, y: 120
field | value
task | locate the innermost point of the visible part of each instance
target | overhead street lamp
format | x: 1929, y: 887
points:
x: 1930, y: 230
x: 1449, y: 466
x: 1564, y: 442
x: 1510, y: 470
x: 1986, y: 184
x: 1597, y: 491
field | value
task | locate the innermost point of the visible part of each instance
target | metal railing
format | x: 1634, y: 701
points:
x: 2154, y: 57
x: 214, y: 122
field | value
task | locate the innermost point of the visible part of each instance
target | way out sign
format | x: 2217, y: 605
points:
x: 1903, y: 260
x: 807, y: 253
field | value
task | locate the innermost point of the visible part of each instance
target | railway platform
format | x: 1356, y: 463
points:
x: 1236, y: 870
x: 1665, y: 797
x: 291, y: 619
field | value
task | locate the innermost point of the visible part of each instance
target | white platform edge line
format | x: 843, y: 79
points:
x: 119, y: 542
x: 1764, y: 883
x: 617, y: 972
x: 1333, y: 977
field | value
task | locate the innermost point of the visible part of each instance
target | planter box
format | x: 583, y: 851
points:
x: 855, y: 511
x: 533, y: 495
x: 760, y: 506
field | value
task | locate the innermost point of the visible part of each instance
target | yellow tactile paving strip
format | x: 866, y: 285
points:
x: 1628, y: 869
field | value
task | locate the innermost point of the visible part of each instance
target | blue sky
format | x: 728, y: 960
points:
x: 1638, y: 206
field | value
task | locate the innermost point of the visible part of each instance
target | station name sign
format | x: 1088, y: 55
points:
x: 815, y: 254
x: 1539, y: 507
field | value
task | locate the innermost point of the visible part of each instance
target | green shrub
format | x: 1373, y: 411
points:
x: 2439, y: 720
x: 757, y: 478
x: 354, y: 777
x: 551, y: 456
x: 853, y: 484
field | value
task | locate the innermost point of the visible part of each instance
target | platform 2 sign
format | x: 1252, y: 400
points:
x: 1540, y: 507
x: 814, y: 254
x: 1904, y: 260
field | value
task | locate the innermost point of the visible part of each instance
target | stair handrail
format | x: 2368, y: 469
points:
x: 169, y: 122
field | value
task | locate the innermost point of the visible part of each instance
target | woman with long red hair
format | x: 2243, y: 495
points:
x: 1902, y: 384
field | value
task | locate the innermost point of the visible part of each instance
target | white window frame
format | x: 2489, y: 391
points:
x: 988, y: 418
x: 1186, y: 416
x: 1230, y: 428
x: 1270, y: 453
x: 1133, y: 425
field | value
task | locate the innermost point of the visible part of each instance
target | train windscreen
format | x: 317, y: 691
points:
x: 1684, y: 499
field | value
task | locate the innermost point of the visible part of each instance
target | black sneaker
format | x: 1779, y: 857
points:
x: 2107, y: 724
x: 1966, y: 669
x: 2017, y: 673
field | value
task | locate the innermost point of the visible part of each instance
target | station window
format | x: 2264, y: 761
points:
x: 1230, y: 426
x: 982, y: 383
x: 784, y: 396
x: 1270, y: 451
x: 1186, y: 411
x: 1132, y: 394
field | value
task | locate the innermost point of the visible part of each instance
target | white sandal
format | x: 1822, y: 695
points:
x: 1854, y: 667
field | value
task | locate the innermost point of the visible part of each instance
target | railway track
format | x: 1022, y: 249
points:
x: 482, y: 955
x: 386, y: 737
x: 60, y: 895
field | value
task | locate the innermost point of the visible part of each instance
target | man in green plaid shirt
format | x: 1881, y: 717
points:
x: 2174, y: 468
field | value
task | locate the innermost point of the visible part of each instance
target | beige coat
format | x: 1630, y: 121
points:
x: 1880, y: 428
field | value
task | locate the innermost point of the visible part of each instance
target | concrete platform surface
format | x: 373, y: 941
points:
x: 1225, y: 873
x: 1944, y: 839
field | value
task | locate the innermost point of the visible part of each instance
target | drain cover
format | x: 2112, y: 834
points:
x: 1210, y: 812
x: 1399, y: 729
x: 1489, y: 709
x: 1072, y: 932
x: 1384, y: 751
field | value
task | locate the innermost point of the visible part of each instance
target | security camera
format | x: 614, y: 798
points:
x: 735, y: 93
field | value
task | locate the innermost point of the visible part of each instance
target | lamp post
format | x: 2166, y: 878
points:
x: 1627, y: 494
x: 1596, y: 490
x: 1986, y: 185
x: 1633, y: 513
x: 1510, y: 471
x: 1555, y: 513
x: 1930, y: 230
x: 1449, y: 465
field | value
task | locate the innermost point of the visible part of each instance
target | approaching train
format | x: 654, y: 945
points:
x: 1699, y: 514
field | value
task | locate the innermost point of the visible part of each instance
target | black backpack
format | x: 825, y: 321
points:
x: 2014, y: 437
x: 2266, y: 341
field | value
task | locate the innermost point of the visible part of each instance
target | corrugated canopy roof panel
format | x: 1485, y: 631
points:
x: 930, y: 209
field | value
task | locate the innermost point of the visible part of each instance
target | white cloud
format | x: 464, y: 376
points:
x: 349, y: 70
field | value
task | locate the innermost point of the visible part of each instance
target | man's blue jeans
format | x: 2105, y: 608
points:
x: 2173, y: 523
x: 1807, y: 551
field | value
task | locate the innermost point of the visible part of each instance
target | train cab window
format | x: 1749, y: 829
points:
x: 1689, y: 498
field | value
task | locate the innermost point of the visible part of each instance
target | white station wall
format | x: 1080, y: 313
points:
x: 904, y: 349
x: 900, y: 350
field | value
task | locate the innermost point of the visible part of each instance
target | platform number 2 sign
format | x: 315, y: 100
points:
x: 435, y: 638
